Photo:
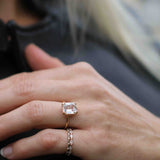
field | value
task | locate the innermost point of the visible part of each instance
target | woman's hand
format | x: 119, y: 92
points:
x: 108, y: 126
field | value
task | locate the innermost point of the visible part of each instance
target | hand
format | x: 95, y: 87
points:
x: 108, y: 126
x: 37, y: 60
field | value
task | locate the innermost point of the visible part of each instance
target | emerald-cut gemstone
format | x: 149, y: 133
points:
x: 69, y: 108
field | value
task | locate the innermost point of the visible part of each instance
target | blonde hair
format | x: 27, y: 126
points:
x: 114, y: 21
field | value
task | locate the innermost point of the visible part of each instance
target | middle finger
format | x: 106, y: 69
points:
x: 29, y: 90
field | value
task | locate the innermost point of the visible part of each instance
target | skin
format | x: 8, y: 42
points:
x: 11, y: 10
x: 108, y: 126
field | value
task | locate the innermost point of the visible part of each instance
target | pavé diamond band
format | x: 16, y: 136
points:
x: 70, y: 141
x: 69, y: 109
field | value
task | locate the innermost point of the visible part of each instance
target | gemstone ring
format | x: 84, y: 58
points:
x: 69, y: 109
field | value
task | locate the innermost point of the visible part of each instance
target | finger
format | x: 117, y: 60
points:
x: 49, y: 141
x: 66, y: 72
x: 26, y: 91
x: 22, y: 88
x: 39, y: 59
x: 36, y: 114
x: 61, y: 73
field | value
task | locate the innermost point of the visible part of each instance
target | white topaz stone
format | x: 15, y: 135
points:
x: 69, y: 108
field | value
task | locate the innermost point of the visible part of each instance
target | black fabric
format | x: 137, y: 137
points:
x: 41, y: 7
x: 3, y: 37
x: 54, y: 37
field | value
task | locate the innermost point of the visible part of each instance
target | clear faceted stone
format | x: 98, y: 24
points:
x: 69, y: 108
x: 71, y: 136
x: 70, y: 143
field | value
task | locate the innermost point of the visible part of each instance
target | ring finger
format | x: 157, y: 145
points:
x: 36, y: 114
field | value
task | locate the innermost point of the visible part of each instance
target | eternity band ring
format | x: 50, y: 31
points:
x: 69, y: 141
x: 69, y: 109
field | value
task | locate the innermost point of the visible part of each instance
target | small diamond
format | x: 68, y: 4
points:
x: 71, y: 136
x: 70, y: 143
x: 69, y: 108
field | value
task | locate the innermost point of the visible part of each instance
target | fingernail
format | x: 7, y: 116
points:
x: 6, y: 152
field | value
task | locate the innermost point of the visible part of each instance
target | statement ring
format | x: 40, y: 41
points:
x: 69, y: 109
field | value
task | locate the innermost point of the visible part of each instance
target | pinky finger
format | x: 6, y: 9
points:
x: 49, y: 141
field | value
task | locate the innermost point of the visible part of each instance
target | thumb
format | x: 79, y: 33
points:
x: 39, y: 59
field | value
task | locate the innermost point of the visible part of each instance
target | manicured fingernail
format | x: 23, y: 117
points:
x: 6, y: 152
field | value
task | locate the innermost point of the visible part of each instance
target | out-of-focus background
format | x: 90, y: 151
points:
x: 148, y: 13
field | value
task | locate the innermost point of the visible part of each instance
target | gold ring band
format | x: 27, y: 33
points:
x: 67, y: 122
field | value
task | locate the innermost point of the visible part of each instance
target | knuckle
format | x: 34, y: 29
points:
x: 22, y: 84
x: 98, y: 91
x: 93, y: 86
x: 98, y: 111
x: 48, y: 139
x: 87, y: 83
x: 35, y: 110
x: 83, y: 66
x: 92, y: 83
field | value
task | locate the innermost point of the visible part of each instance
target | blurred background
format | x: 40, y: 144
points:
x: 148, y: 14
